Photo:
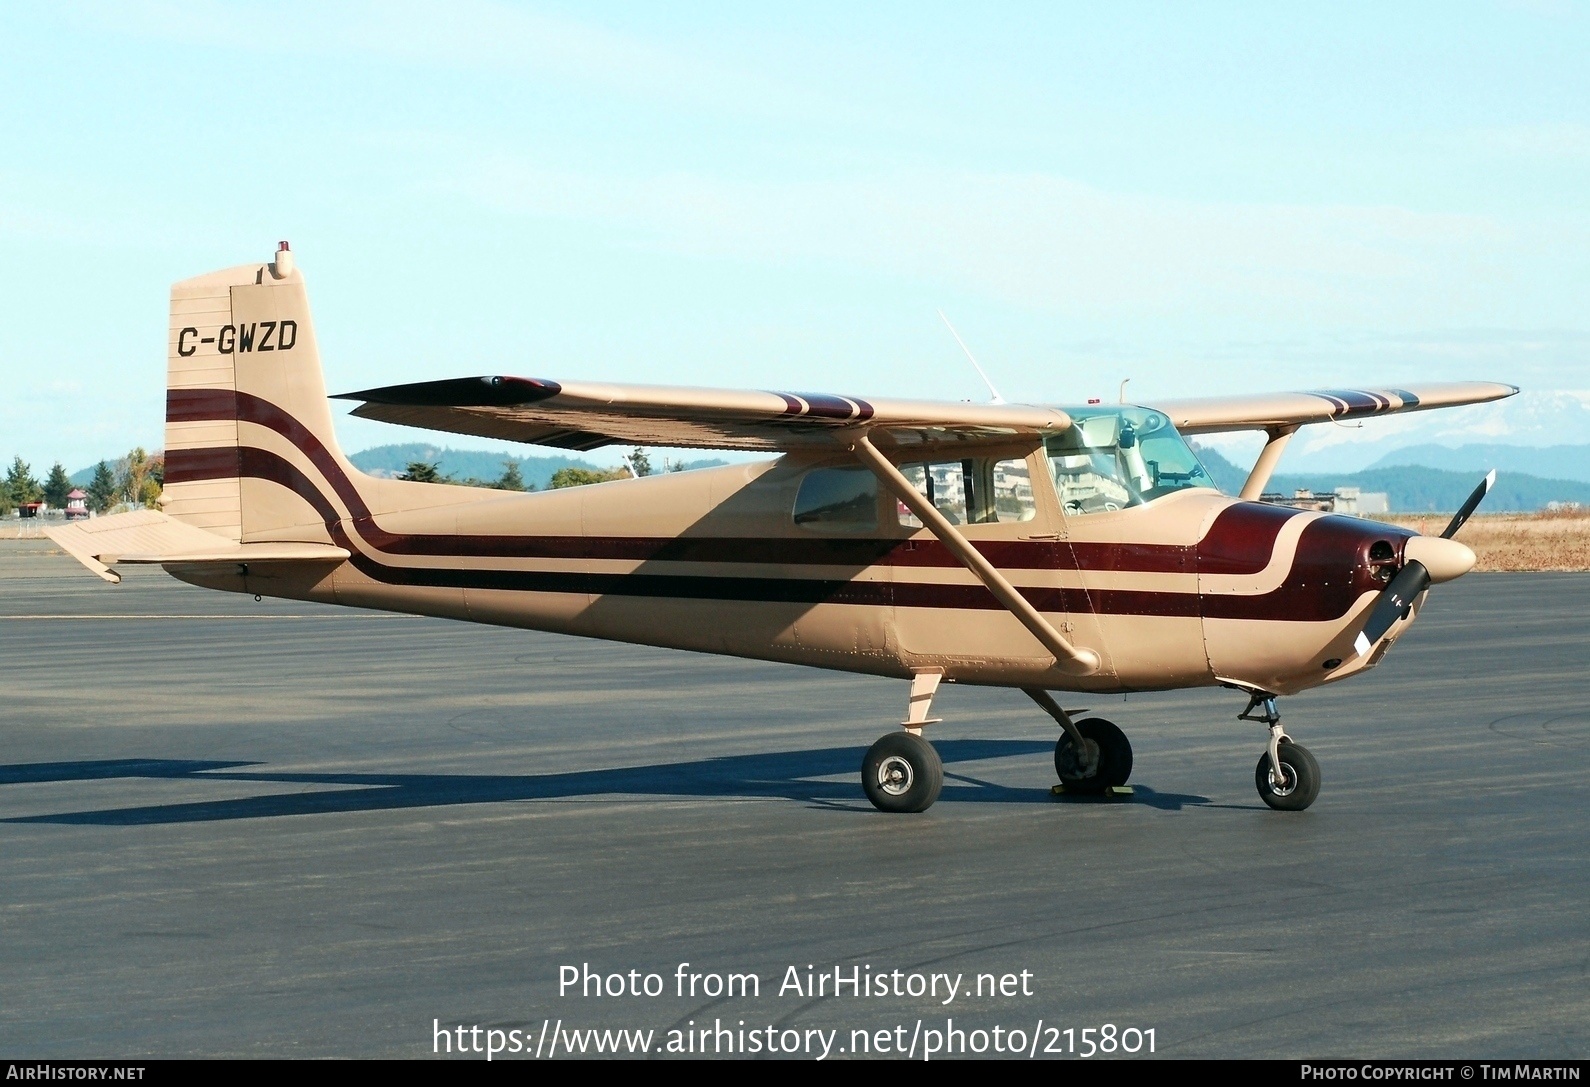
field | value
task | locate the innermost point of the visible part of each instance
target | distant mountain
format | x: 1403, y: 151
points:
x: 1413, y: 488
x: 1227, y: 476
x: 1550, y: 461
x: 392, y: 460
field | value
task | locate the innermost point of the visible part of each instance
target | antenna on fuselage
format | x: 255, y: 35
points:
x: 997, y: 399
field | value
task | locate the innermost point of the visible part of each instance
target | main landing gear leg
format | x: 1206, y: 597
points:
x: 1287, y: 776
x: 902, y: 772
x: 1092, y: 756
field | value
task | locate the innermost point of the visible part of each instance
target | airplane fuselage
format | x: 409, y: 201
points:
x: 1193, y: 589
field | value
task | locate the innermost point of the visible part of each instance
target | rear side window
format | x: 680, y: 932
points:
x: 838, y: 500
x: 976, y: 491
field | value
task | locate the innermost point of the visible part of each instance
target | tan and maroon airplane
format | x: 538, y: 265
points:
x: 1079, y: 549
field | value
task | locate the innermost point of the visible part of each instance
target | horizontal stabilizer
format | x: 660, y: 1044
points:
x: 148, y: 536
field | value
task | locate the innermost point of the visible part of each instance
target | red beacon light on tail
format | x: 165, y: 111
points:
x: 282, y: 266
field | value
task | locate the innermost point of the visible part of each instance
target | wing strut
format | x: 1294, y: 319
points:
x: 1264, y: 467
x: 1071, y: 659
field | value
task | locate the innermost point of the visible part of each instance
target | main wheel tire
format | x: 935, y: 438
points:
x: 1298, y: 784
x: 902, y: 773
x: 1115, y: 757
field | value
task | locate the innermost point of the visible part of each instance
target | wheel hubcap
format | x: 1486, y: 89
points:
x: 1287, y: 784
x: 895, y: 776
x: 1081, y: 765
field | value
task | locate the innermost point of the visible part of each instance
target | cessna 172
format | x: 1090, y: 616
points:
x: 1079, y: 549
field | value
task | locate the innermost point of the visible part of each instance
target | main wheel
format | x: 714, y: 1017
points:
x: 1298, y: 783
x: 902, y: 773
x: 1114, y: 757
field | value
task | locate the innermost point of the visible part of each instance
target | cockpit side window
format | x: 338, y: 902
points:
x: 1116, y: 458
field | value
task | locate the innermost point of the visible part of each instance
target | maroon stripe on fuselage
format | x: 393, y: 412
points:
x: 1242, y: 539
x: 860, y: 553
x: 263, y: 464
x: 1330, y: 571
x: 1323, y: 592
x: 252, y: 409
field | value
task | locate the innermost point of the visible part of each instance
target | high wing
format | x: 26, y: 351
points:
x: 588, y: 415
x: 1282, y: 411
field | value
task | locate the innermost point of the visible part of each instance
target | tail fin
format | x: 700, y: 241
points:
x: 243, y: 380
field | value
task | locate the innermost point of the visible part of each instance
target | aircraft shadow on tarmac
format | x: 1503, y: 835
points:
x: 786, y: 775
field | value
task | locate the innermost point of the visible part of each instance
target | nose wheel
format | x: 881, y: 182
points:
x: 1287, y: 776
x: 1295, y: 785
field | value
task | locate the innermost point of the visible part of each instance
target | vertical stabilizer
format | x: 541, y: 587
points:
x: 243, y: 375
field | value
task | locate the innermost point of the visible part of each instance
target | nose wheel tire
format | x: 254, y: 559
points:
x: 1106, y: 762
x: 902, y: 773
x: 1296, y: 786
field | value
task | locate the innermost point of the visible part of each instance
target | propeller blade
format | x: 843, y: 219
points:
x: 1395, y: 601
x: 1469, y: 507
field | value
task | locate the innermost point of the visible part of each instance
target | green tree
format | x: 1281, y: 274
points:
x: 139, y: 477
x: 422, y: 472
x: 102, y: 488
x: 511, y: 480
x: 154, y: 481
x: 579, y: 477
x: 639, y: 462
x: 21, y: 486
x: 57, y: 487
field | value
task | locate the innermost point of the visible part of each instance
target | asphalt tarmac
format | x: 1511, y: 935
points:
x: 276, y: 829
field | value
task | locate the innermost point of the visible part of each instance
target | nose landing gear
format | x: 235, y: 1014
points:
x: 1287, y: 776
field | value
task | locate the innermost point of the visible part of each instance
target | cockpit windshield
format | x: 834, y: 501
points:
x: 1118, y: 457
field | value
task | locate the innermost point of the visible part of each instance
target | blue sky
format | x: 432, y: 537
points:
x: 1200, y: 197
